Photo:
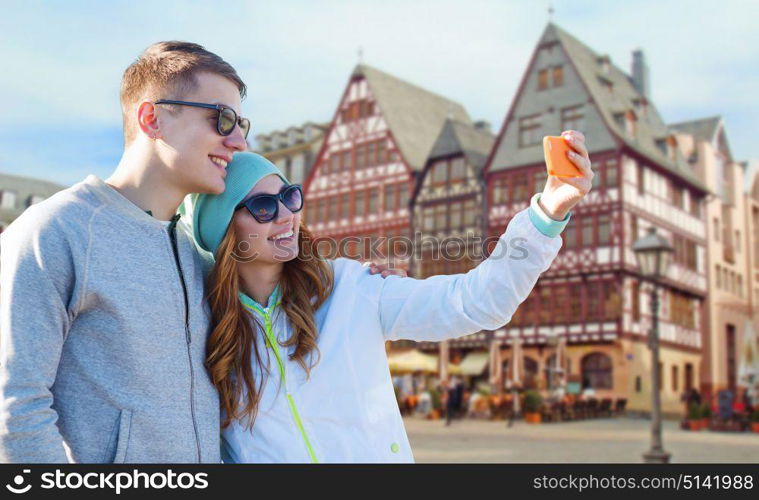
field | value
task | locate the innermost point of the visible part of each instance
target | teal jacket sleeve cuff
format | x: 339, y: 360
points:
x: 543, y: 222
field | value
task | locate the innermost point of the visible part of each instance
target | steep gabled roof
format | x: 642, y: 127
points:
x: 456, y: 137
x: 711, y: 130
x: 750, y: 176
x: 624, y: 97
x: 414, y: 115
x: 704, y: 129
x: 24, y: 187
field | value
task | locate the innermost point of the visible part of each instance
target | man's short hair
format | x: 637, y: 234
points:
x: 166, y: 70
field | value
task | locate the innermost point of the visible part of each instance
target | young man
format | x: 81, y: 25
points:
x: 102, y: 321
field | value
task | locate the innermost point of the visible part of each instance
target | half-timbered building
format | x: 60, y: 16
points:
x: 374, y: 152
x: 593, y: 295
x: 704, y: 143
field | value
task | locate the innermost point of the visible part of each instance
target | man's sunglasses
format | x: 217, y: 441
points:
x: 226, y: 117
x: 265, y: 207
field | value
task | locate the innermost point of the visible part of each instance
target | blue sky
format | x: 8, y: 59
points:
x: 62, y: 61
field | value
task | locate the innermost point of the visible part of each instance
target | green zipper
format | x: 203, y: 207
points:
x: 271, y: 341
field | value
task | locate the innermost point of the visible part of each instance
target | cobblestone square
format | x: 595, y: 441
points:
x: 620, y: 440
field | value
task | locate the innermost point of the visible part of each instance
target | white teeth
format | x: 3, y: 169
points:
x: 218, y: 161
x: 283, y: 235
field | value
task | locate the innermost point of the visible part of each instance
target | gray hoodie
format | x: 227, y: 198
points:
x: 102, y: 338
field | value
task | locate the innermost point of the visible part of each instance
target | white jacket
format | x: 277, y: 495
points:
x: 346, y: 411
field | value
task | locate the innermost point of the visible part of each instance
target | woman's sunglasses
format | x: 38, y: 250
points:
x: 265, y: 207
x: 226, y: 117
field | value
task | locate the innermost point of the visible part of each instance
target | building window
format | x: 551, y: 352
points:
x: 604, y: 229
x: 360, y: 156
x: 334, y: 163
x: 332, y: 207
x: 681, y: 310
x: 542, y: 79
x: 570, y: 234
x: 371, y: 154
x: 675, y: 378
x: 596, y: 182
x: 458, y: 170
x: 381, y: 152
x: 641, y: 179
x: 638, y: 384
x: 428, y: 219
x: 715, y: 226
x: 546, y: 305
x: 612, y: 173
x: 573, y: 118
x: 737, y: 241
x: 500, y: 193
x: 558, y: 76
x: 360, y: 203
x: 8, y: 199
x: 678, y: 198
x: 34, y: 199
x: 691, y: 255
x: 593, y: 302
x: 633, y: 228
x: 597, y: 371
x: 390, y: 197
x: 456, y: 213
x: 612, y: 301
x: 718, y: 272
x: 440, y: 173
x: 373, y: 201
x: 345, y: 206
x: 520, y: 188
x: 635, y: 300
x: 470, y: 213
x: 403, y: 196
x: 586, y: 225
x: 322, y: 210
x: 695, y: 206
x: 539, y: 180
x: 688, y: 377
x: 529, y: 131
x: 441, y: 217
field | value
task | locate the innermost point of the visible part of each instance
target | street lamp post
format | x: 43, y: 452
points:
x: 654, y: 254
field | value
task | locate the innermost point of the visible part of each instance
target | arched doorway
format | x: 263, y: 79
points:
x: 596, y: 370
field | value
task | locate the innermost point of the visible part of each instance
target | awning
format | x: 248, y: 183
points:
x: 474, y: 363
x: 415, y: 361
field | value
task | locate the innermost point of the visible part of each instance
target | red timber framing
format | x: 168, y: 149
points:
x: 585, y: 295
x: 358, y: 170
x: 439, y: 215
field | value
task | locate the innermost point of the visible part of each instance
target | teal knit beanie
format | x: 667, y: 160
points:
x: 212, y: 214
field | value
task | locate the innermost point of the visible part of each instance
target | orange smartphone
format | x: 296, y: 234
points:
x: 558, y: 163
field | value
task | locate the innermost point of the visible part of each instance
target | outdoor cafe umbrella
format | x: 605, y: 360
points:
x: 414, y: 361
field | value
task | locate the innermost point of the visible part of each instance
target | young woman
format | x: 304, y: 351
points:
x: 297, y: 350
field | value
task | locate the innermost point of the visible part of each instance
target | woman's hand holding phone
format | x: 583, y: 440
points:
x: 561, y: 194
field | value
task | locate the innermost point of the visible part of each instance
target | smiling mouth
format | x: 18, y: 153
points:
x: 282, y: 236
x: 219, y: 161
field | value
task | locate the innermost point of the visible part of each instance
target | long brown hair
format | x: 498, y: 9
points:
x: 306, y: 283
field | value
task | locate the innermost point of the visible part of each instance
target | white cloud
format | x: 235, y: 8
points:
x: 65, y: 60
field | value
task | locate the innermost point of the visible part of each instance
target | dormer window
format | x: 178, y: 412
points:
x: 8, y: 199
x: 606, y: 83
x: 672, y: 147
x: 34, y: 199
x: 631, y: 120
x: 605, y: 63
x: 543, y: 79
